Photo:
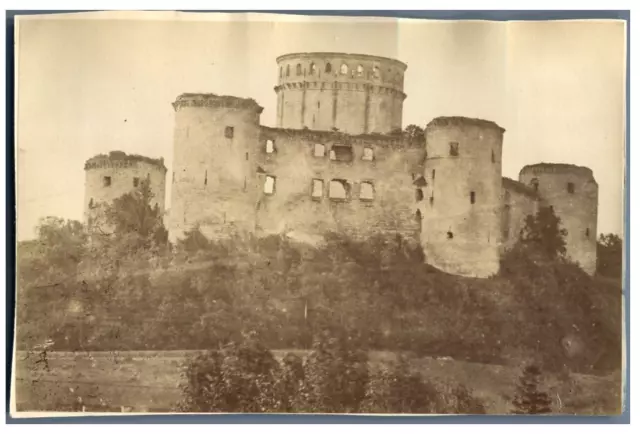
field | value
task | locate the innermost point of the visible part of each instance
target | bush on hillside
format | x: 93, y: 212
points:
x: 333, y: 378
x: 529, y: 399
x: 236, y: 378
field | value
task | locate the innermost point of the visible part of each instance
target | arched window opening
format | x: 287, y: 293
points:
x: 419, y: 195
x: 312, y: 68
x: 571, y: 187
x: 338, y: 190
x: 360, y: 71
x: 472, y: 197
x: 281, y: 71
x: 288, y: 70
x: 344, y: 69
x: 298, y: 69
x: 327, y: 68
x: 376, y: 72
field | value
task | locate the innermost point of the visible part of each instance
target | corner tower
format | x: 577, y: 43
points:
x: 214, y: 177
x: 463, y: 172
x: 108, y: 177
x: 353, y: 93
x: 572, y: 191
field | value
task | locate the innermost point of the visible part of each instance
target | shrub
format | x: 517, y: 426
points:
x: 398, y: 390
x: 236, y: 378
x: 335, y: 377
x: 529, y: 399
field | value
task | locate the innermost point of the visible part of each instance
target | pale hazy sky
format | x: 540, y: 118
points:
x: 88, y: 86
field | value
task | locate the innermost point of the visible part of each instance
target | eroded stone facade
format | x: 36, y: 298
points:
x: 108, y: 177
x: 337, y: 163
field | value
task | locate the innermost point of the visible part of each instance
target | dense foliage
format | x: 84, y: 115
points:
x: 610, y: 256
x: 126, y: 290
x: 544, y: 233
x: 334, y: 377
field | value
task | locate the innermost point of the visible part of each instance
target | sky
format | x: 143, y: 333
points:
x: 92, y: 83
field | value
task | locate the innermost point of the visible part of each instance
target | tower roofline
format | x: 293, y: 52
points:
x: 123, y: 156
x: 214, y: 100
x: 336, y: 54
x: 559, y: 168
x: 443, y: 121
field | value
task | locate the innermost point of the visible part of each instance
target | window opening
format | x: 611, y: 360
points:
x: 269, y: 184
x: 366, y: 191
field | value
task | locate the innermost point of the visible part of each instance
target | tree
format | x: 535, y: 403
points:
x: 529, y: 399
x: 133, y: 214
x: 609, y: 255
x: 544, y: 233
x: 335, y: 377
x: 414, y: 132
x: 55, y: 253
x: 239, y: 377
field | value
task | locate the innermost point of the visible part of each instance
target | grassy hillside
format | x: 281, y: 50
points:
x: 378, y: 291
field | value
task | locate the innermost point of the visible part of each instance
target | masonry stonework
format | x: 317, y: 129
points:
x: 461, y: 228
x: 214, y: 179
x: 108, y: 177
x: 351, y: 93
x: 336, y: 162
x: 573, y: 193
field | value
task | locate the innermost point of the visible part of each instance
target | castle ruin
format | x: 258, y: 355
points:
x: 338, y: 161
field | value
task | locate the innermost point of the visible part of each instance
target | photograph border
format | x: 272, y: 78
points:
x: 493, y: 15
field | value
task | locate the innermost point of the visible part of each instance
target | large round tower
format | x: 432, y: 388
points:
x: 214, y: 177
x: 572, y: 191
x: 354, y: 93
x: 108, y: 177
x: 461, y: 212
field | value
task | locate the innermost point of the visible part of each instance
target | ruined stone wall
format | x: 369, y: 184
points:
x: 573, y: 193
x: 108, y: 177
x: 214, y: 182
x: 296, y: 163
x: 351, y: 92
x: 461, y: 230
x: 518, y: 201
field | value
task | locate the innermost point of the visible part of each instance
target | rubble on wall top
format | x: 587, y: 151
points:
x: 214, y: 100
x: 395, y: 138
x: 461, y: 120
x: 558, y: 168
x: 123, y: 156
x: 519, y: 187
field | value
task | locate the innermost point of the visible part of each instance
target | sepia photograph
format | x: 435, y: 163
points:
x: 265, y: 213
